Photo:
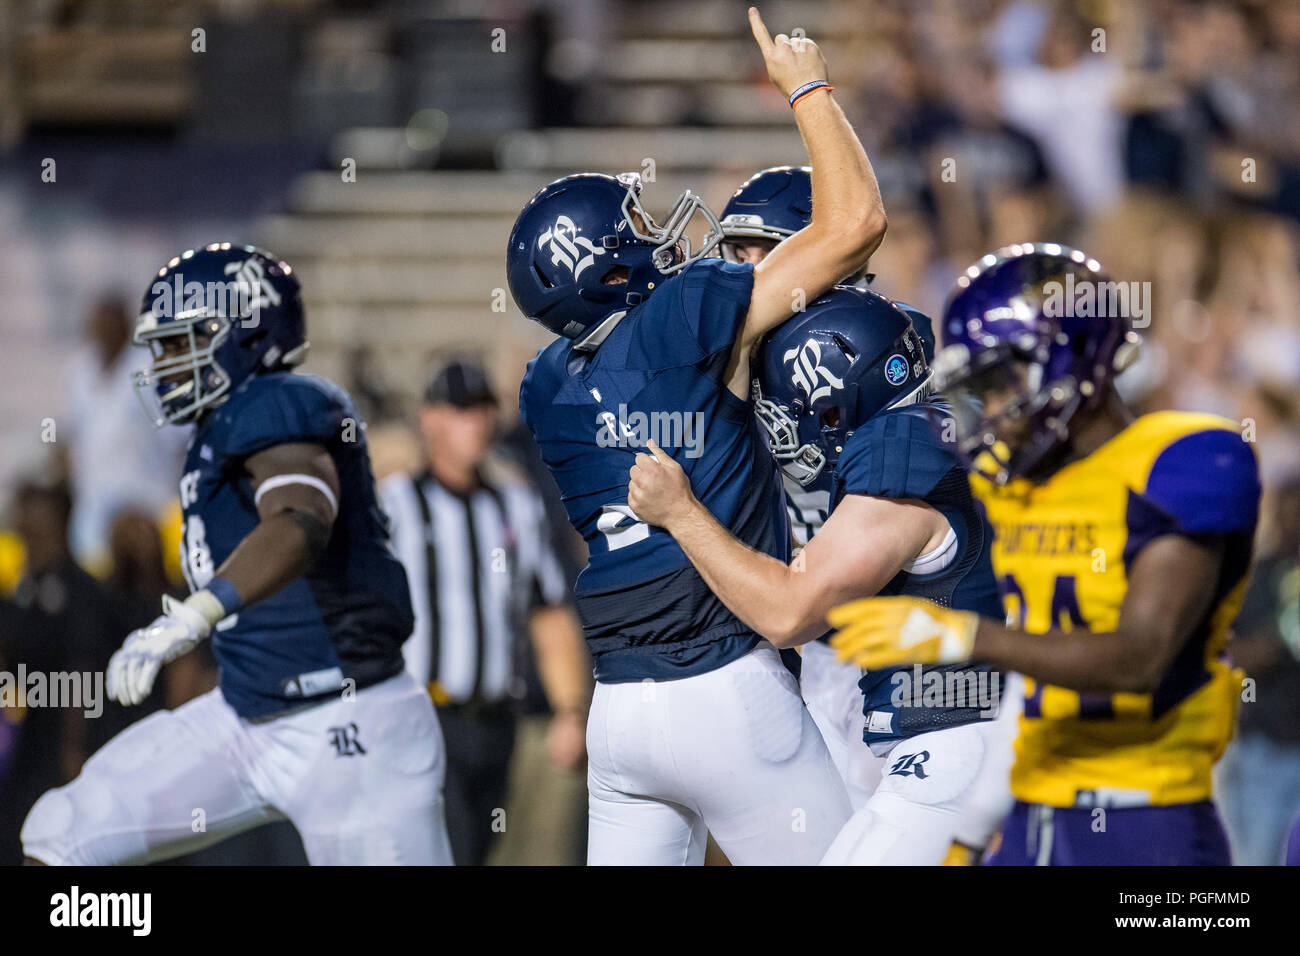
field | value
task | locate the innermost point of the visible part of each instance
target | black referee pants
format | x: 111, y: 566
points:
x: 479, y: 740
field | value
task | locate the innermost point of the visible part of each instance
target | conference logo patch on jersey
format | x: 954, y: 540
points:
x: 567, y: 247
x: 896, y: 370
x: 806, y: 371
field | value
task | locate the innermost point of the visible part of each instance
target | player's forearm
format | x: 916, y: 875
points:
x: 273, y: 555
x: 562, y: 662
x: 757, y: 588
x: 1089, y: 663
x: 847, y: 206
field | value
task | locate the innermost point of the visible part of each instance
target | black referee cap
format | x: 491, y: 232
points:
x: 460, y: 383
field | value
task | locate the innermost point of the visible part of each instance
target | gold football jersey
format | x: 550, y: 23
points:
x: 1061, y: 552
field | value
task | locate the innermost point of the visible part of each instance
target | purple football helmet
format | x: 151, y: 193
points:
x: 1033, y: 334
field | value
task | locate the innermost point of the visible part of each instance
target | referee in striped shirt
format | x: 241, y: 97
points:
x: 484, y: 579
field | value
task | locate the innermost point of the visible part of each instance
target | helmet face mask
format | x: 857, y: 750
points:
x: 185, y: 376
x: 993, y: 411
x: 801, y: 462
x: 751, y: 226
x: 672, y: 247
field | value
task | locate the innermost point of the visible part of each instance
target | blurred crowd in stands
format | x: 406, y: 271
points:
x: 1163, y: 136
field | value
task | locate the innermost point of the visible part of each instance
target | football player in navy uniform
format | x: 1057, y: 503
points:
x: 767, y: 209
x: 285, y: 549
x: 842, y: 393
x: 695, y: 724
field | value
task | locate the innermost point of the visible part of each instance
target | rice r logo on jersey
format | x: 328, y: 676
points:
x: 911, y: 765
x: 564, y: 241
x: 807, y: 370
x: 74, y: 908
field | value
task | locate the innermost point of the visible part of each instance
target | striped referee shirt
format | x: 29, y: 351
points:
x: 477, y: 564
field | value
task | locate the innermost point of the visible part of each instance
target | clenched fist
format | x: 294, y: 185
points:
x: 658, y: 491
x: 790, y: 63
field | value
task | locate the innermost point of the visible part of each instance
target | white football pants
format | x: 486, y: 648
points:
x: 732, y: 752
x: 934, y: 788
x: 360, y: 779
x: 835, y: 701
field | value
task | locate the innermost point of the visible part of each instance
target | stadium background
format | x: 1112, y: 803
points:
x: 1167, y: 145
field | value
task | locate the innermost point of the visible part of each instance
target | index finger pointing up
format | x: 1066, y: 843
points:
x: 760, y: 31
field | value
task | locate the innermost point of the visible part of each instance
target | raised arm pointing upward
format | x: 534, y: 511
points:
x: 848, y: 219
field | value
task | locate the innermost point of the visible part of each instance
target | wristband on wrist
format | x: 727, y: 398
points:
x: 225, y: 592
x: 808, y: 88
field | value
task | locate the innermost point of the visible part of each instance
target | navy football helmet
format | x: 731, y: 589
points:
x: 584, y: 251
x: 213, y: 317
x: 772, y: 204
x: 851, y: 354
x: 1031, y: 337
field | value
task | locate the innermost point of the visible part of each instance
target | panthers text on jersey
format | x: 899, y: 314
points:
x: 347, y: 616
x: 661, y: 374
x: 1062, y: 552
x: 899, y: 453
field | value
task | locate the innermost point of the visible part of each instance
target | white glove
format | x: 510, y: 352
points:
x: 183, y: 624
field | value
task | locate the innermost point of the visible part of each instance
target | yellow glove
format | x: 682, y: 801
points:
x: 884, y: 632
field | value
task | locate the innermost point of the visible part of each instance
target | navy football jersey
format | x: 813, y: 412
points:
x: 660, y: 374
x: 899, y: 454
x: 348, y: 615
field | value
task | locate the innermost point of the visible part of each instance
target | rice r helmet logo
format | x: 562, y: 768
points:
x: 806, y: 371
x: 564, y: 243
x: 255, y: 288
